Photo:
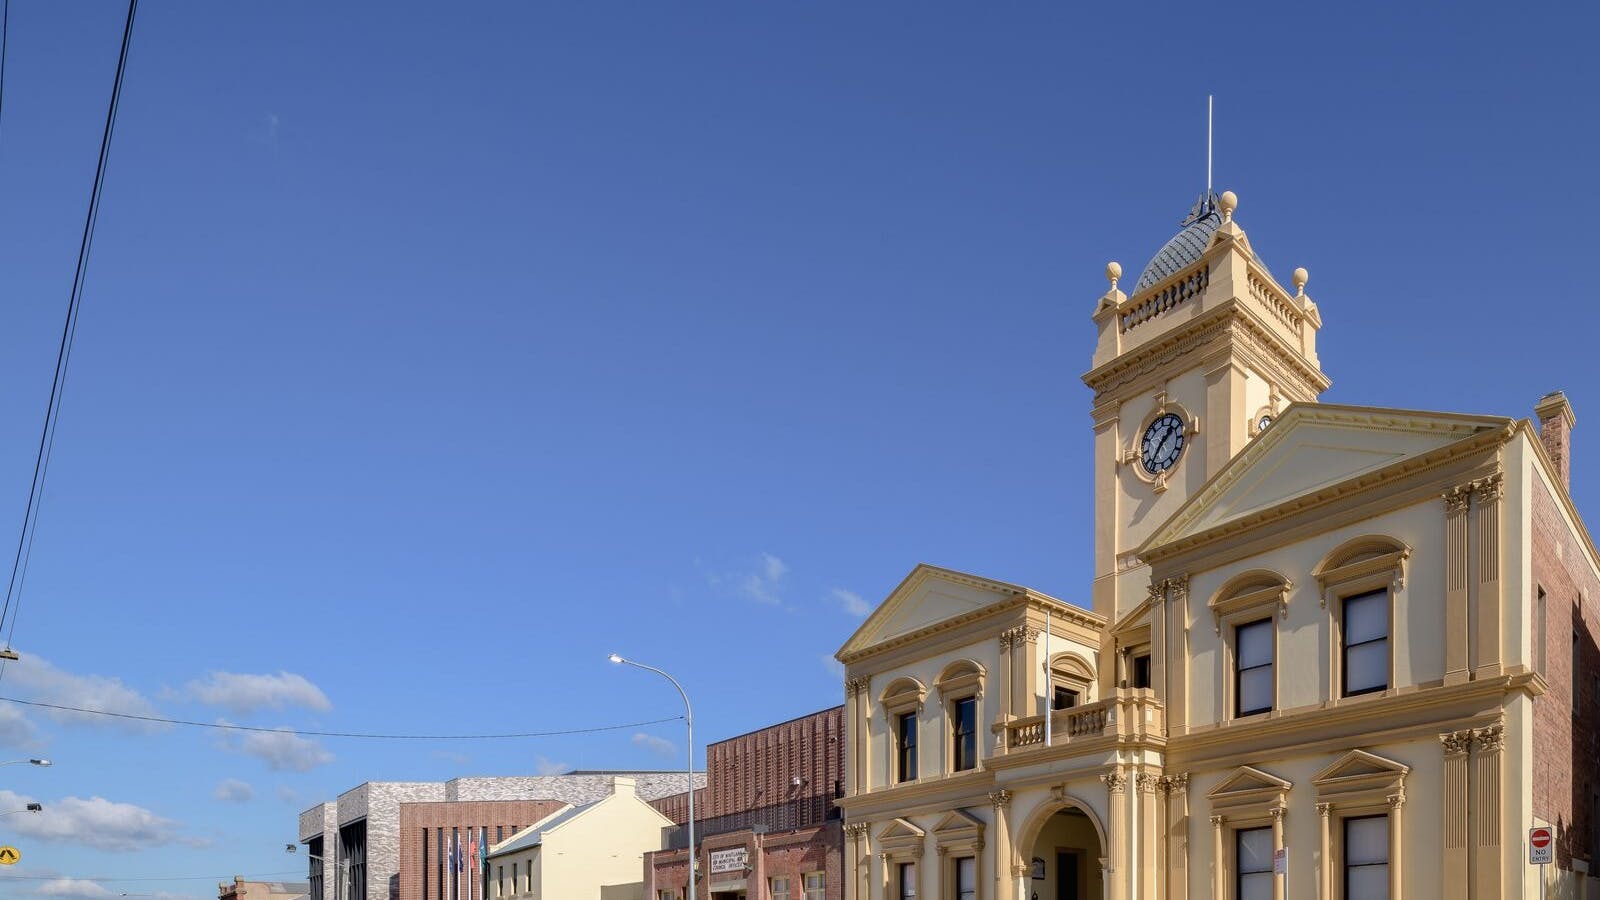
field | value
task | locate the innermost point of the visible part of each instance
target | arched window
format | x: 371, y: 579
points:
x: 1071, y: 681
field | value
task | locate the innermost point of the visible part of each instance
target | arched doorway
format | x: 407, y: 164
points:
x: 1063, y: 862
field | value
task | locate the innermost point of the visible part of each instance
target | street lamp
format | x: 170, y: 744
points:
x: 35, y: 762
x: 338, y: 866
x: 689, y: 721
x: 31, y: 807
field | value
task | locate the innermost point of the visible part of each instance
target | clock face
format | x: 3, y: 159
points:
x: 1162, y: 445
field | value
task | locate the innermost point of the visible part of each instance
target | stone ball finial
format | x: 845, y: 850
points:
x: 1300, y: 276
x: 1113, y: 272
x: 1229, y: 201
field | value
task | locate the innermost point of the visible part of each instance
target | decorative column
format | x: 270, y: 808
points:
x: 1454, y: 808
x: 1486, y: 496
x: 1487, y: 751
x: 1219, y: 875
x: 1277, y: 844
x: 1397, y: 880
x: 1325, y: 872
x: 1004, y: 883
x: 1006, y: 678
x: 1117, y: 799
x: 1147, y: 868
x: 1176, y: 845
x: 858, y: 863
x: 855, y: 723
x: 1024, y: 668
x: 1457, y: 666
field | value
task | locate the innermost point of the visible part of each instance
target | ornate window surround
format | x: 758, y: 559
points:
x: 961, y: 679
x: 1070, y: 670
x: 903, y: 695
x: 958, y: 835
x: 1359, y: 566
x: 1249, y: 798
x: 900, y: 842
x: 1360, y: 784
x: 1245, y: 598
x: 1130, y: 451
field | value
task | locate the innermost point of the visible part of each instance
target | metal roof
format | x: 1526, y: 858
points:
x: 533, y: 835
x: 1186, y: 246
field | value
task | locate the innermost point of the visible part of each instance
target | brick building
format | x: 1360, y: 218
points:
x: 428, y: 829
x: 767, y: 825
x: 357, y: 838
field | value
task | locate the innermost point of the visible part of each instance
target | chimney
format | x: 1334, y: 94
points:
x: 622, y: 786
x: 1555, y: 432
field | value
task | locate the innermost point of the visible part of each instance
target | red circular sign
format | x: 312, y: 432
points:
x: 1540, y: 838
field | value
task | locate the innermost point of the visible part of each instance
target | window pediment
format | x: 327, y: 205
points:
x: 1251, y: 592
x: 960, y: 678
x: 901, y: 837
x: 903, y: 695
x: 958, y: 830
x: 1371, y: 561
x: 1249, y: 791
x: 1362, y: 777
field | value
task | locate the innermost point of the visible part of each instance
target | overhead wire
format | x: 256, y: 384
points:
x: 41, y: 466
x: 258, y: 875
x: 163, y: 720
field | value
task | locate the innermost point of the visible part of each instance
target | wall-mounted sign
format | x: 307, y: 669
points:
x: 1038, y: 868
x: 1280, y: 861
x: 1541, y: 846
x: 736, y: 859
x: 9, y: 856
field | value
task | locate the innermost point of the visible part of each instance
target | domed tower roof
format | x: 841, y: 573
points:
x: 1186, y: 246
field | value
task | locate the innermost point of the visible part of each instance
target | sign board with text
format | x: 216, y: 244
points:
x: 1280, y: 861
x: 1541, y: 846
x: 736, y: 859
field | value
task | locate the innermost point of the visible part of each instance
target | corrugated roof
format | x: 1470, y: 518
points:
x: 533, y: 835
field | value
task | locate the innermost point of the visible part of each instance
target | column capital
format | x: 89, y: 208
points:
x: 1489, y: 740
x: 1276, y: 813
x: 857, y: 684
x: 1325, y: 810
x: 1455, y: 499
x: 1175, y: 783
x: 1115, y: 782
x: 1217, y: 821
x: 1396, y: 799
x: 1489, y: 490
x: 1000, y: 799
x: 1456, y: 743
x: 1146, y: 783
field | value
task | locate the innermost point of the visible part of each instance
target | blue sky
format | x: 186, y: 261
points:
x: 432, y: 352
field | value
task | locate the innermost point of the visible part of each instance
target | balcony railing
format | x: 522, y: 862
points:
x: 1131, y: 713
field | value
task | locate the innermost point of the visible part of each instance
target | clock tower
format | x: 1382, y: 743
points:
x: 1190, y: 365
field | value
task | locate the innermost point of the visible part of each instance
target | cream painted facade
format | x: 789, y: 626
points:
x: 1379, y: 560
x: 590, y: 852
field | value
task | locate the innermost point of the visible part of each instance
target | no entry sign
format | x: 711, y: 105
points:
x: 1541, y: 846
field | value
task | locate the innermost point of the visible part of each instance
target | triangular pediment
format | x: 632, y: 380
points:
x: 1137, y: 617
x: 1311, y: 448
x: 1247, y: 780
x: 928, y: 597
x: 1359, y: 764
x: 900, y: 828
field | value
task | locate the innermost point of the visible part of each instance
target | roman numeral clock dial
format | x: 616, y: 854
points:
x: 1162, y: 444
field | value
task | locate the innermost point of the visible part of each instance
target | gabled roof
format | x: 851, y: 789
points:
x: 533, y: 835
x: 932, y: 596
x: 1312, y: 448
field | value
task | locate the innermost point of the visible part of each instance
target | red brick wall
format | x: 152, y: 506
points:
x: 676, y: 806
x: 502, y: 817
x: 791, y: 853
x: 759, y: 769
x: 1566, y: 729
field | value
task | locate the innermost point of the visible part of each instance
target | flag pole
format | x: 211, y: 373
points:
x: 1049, y: 683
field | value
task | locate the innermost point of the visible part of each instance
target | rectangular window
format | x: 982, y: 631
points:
x: 778, y: 887
x: 513, y: 877
x: 816, y: 886
x: 665, y: 895
x: 906, y: 734
x: 1065, y: 698
x: 500, y: 881
x: 1141, y: 670
x: 1253, y: 864
x: 1539, y: 637
x: 967, y: 878
x: 1366, y: 858
x: 1252, y: 677
x: 965, y: 720
x: 908, y: 881
x: 1366, y: 643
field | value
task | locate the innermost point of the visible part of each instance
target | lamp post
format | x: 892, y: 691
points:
x: 688, y: 719
x: 338, y: 867
x: 44, y: 763
x: 31, y: 807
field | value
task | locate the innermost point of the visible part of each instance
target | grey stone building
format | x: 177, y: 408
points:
x: 353, y: 842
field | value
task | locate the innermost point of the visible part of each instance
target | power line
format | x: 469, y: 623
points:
x: 47, y: 436
x: 339, y: 734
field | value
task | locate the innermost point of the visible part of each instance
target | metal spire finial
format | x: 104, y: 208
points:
x: 1208, y: 143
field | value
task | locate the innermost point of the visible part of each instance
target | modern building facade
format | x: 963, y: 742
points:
x: 241, y: 889
x: 768, y: 826
x: 428, y: 831
x: 1334, y: 651
x: 588, y: 852
x: 355, y: 842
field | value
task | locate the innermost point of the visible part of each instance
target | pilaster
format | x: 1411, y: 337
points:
x: 857, y: 862
x: 1219, y: 872
x: 1176, y: 835
x: 1486, y: 495
x: 1004, y: 881
x: 1456, y: 666
x: 1146, y: 787
x: 1024, y: 668
x: 1116, y: 833
x: 1397, y: 881
x: 1487, y: 863
x: 1325, y: 864
x: 1007, y: 712
x: 1454, y: 809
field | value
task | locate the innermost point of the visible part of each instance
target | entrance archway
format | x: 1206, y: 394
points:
x: 1063, y: 857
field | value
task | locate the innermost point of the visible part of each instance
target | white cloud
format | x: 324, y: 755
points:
x: 16, y: 730
x: 243, y: 693
x: 98, y: 692
x: 546, y: 766
x: 281, y: 750
x: 834, y: 667
x: 655, y: 744
x: 232, y: 790
x: 96, y: 822
x: 851, y: 602
x: 75, y: 889
x: 761, y: 585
